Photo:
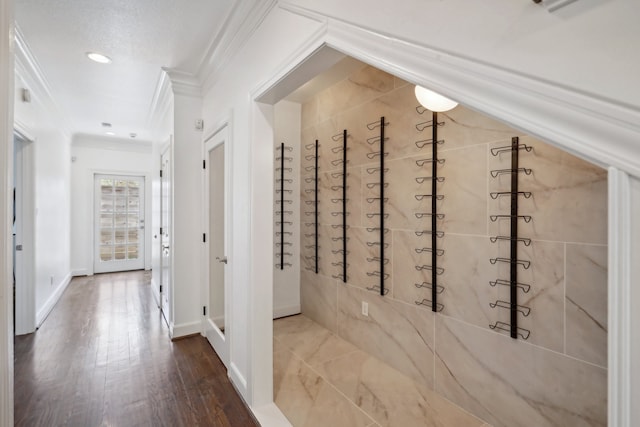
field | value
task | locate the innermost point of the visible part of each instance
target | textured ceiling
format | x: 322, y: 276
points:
x: 140, y: 36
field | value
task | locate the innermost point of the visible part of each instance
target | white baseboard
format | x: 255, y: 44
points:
x: 238, y: 380
x: 285, y: 311
x: 185, y: 329
x: 42, y: 314
x: 270, y: 416
x: 80, y: 272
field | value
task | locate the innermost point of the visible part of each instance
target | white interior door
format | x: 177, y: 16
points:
x: 119, y: 223
x: 23, y: 218
x: 165, y: 235
x: 217, y: 224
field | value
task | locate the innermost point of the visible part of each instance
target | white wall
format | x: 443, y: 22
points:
x: 542, y: 51
x: 92, y: 155
x: 562, y: 47
x: 42, y: 122
x: 286, y: 283
x: 187, y: 216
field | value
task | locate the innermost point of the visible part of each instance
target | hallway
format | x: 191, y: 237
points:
x: 103, y: 357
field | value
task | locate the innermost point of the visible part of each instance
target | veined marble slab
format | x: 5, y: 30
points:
x: 511, y: 383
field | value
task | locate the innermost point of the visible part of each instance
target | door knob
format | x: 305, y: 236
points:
x: 223, y: 259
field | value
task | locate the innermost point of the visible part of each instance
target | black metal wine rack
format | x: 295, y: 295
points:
x: 514, y: 239
x: 381, y: 260
x: 311, y: 210
x: 342, y: 201
x: 433, y: 215
x: 284, y: 203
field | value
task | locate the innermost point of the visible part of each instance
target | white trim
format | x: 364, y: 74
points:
x: 51, y: 302
x: 6, y: 171
x: 233, y: 39
x: 184, y: 329
x: 160, y: 102
x: 183, y: 82
x: 269, y: 415
x: 80, y: 272
x: 619, y: 306
x: 284, y: 311
x: 28, y: 68
x: 219, y: 340
x: 575, y: 120
x: 237, y: 378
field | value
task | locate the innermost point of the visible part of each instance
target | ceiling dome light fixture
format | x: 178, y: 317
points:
x: 98, y: 57
x: 434, y: 101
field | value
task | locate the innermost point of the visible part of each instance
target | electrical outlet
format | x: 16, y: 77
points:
x: 365, y: 308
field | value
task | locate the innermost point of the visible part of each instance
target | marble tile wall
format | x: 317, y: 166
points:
x: 455, y: 351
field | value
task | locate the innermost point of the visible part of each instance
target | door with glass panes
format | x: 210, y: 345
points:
x: 119, y: 223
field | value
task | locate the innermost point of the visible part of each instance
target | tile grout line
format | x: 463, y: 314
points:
x: 312, y: 369
x: 523, y: 342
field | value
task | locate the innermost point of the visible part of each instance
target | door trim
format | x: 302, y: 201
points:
x: 142, y: 237
x: 167, y: 149
x: 221, y: 342
x: 25, y: 299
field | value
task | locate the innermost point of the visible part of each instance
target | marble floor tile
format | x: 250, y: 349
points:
x: 390, y: 397
x: 309, y: 341
x: 318, y: 299
x: 307, y: 400
x: 586, y: 302
x: 397, y: 333
x: 511, y: 383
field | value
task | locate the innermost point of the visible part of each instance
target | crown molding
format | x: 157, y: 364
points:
x: 241, y: 24
x: 601, y: 130
x: 160, y: 105
x: 28, y: 68
x: 183, y: 82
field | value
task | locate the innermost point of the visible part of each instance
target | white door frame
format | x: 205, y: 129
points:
x: 164, y: 288
x: 142, y: 237
x: 220, y: 341
x: 25, y: 298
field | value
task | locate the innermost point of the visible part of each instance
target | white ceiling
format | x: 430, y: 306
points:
x: 140, y: 36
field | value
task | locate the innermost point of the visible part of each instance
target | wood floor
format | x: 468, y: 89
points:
x: 103, y: 358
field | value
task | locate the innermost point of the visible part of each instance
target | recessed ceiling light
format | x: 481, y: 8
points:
x: 98, y: 57
x: 110, y: 133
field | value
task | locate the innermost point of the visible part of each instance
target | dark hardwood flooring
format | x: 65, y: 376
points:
x: 103, y: 357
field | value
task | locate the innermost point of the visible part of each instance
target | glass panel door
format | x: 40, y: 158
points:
x: 119, y: 223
